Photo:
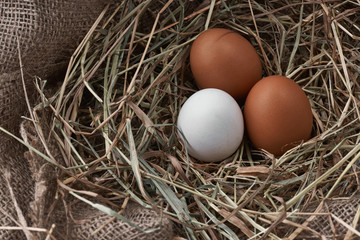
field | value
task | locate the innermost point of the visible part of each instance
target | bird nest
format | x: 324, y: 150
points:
x: 114, y: 115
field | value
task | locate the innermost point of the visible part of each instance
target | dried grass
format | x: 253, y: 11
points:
x: 114, y: 115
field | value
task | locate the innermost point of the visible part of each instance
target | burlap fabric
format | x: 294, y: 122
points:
x: 45, y: 33
x: 329, y: 219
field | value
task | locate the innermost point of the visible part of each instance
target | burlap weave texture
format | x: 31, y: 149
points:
x: 44, y: 33
x: 39, y: 30
x: 327, y: 214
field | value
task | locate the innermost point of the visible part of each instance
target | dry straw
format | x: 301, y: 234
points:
x: 114, y: 116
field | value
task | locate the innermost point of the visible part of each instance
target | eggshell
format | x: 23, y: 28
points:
x: 277, y: 114
x: 223, y: 59
x: 211, y: 125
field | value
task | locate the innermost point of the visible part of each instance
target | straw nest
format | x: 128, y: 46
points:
x: 114, y: 114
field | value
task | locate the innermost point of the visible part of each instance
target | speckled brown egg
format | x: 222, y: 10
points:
x: 277, y: 115
x: 223, y: 59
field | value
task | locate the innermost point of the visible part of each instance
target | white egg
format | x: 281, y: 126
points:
x: 211, y: 125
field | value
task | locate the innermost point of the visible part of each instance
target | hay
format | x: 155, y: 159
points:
x: 114, y: 115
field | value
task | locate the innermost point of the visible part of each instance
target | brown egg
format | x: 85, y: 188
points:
x: 277, y: 114
x: 223, y: 59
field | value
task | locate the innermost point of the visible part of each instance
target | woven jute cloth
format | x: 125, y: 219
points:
x: 330, y: 219
x: 43, y: 34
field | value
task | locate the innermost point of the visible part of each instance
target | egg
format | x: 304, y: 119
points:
x: 277, y: 115
x: 210, y: 124
x: 223, y: 59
